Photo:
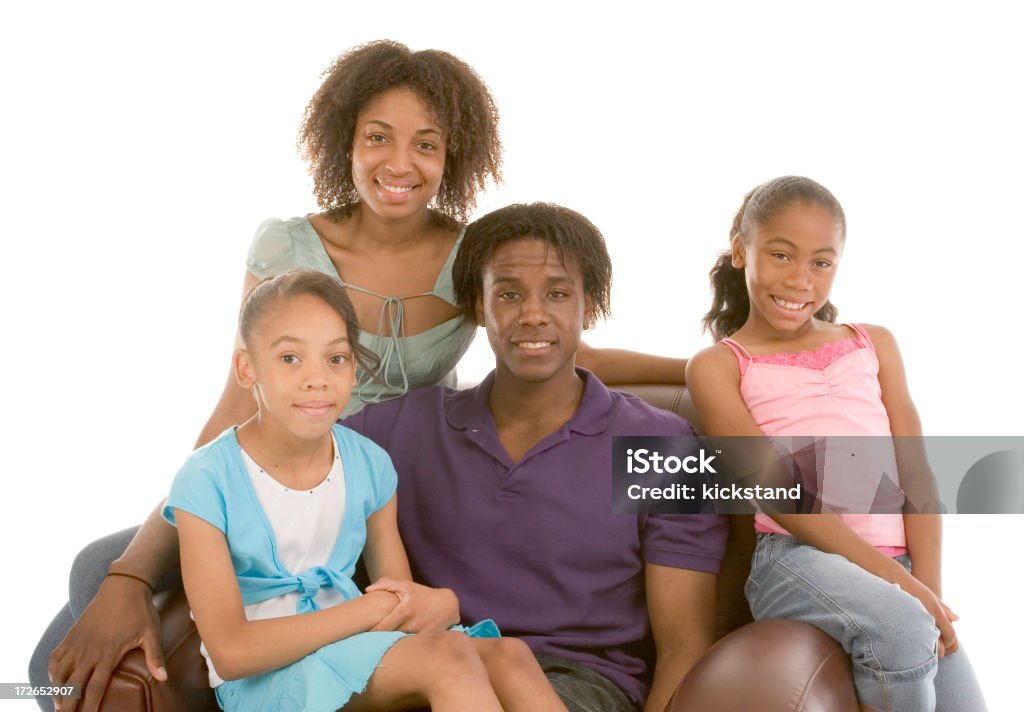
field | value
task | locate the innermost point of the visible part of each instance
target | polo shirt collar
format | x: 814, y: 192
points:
x: 471, y: 408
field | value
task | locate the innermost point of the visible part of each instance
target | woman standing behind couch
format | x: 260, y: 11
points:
x: 399, y: 143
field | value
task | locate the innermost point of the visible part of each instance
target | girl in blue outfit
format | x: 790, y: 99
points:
x: 272, y: 517
x: 783, y: 368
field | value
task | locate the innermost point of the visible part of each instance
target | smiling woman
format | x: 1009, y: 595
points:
x: 398, y: 144
x: 450, y: 105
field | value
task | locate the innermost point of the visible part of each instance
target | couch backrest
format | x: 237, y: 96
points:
x: 731, y: 609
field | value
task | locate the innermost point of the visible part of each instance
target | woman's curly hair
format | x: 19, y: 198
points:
x: 448, y: 86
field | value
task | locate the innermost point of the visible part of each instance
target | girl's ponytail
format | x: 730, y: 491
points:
x: 827, y: 313
x: 730, y: 304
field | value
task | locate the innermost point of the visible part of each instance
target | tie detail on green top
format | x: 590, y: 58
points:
x: 424, y: 359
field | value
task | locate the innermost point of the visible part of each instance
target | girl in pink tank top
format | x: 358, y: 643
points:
x: 783, y: 367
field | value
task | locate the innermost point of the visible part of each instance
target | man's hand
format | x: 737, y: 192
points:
x: 120, y: 618
x: 421, y: 609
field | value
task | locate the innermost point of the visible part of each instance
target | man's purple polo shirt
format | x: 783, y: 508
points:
x: 534, y: 545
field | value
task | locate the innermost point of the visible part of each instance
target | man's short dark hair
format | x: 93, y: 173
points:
x: 578, y: 241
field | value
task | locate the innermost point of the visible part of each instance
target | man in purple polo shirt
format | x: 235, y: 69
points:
x: 505, y: 492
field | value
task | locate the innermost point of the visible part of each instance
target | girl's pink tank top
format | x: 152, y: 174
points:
x: 832, y: 390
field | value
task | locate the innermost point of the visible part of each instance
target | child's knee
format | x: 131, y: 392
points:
x: 450, y: 650
x: 905, y: 640
x: 912, y: 637
x: 897, y: 669
x: 507, y: 654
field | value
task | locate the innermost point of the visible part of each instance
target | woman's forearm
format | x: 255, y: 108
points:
x: 235, y: 406
x: 152, y: 552
x: 154, y: 549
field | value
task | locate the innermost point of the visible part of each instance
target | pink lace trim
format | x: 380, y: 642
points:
x: 818, y: 359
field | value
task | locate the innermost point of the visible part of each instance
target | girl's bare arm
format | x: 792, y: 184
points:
x: 924, y: 531
x: 239, y: 647
x: 422, y: 609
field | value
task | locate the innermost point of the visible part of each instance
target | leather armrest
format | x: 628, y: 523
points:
x: 133, y: 689
x: 770, y: 666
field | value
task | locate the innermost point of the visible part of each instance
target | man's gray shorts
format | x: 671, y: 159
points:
x: 582, y: 689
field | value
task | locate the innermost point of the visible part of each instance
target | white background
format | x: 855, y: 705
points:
x: 141, y: 145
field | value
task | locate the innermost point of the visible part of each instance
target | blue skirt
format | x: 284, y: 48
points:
x: 324, y: 680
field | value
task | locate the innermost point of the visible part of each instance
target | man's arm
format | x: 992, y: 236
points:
x: 614, y: 366
x: 681, y: 603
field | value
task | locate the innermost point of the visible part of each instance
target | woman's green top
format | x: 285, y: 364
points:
x: 415, y: 361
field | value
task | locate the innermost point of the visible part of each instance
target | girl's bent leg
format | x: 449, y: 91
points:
x: 442, y: 670
x: 889, y: 635
x: 516, y: 676
x: 956, y: 687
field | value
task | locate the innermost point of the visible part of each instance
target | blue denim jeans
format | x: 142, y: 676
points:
x: 890, y: 637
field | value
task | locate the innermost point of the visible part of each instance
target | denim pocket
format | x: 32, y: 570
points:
x: 750, y: 590
x: 759, y: 563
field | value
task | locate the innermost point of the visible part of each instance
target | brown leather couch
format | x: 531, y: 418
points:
x: 768, y: 666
